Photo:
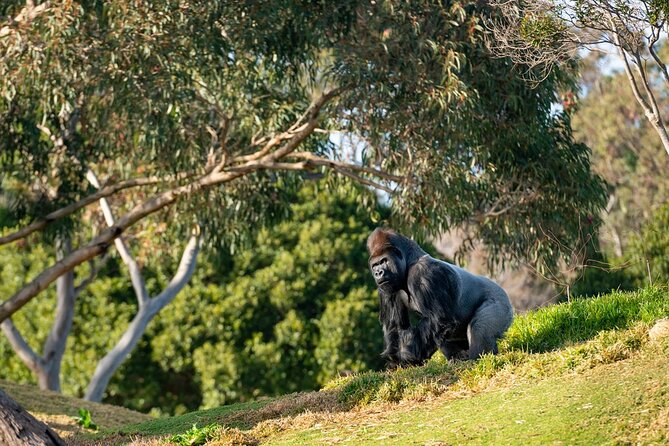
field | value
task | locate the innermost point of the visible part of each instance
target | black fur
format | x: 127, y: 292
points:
x: 458, y: 311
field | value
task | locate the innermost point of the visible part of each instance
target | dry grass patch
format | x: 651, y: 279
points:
x: 290, y: 405
x: 58, y: 410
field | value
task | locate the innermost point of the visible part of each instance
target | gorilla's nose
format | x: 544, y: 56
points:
x: 378, y: 273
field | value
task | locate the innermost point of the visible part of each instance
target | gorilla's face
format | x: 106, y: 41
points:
x: 388, y: 270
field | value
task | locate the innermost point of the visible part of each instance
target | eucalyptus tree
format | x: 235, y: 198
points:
x: 545, y: 33
x: 207, y: 112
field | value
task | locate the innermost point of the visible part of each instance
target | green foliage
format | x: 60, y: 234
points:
x: 541, y: 30
x: 15, y: 268
x: 290, y: 312
x: 650, y: 250
x: 149, y: 88
x: 196, y: 436
x: 420, y: 91
x: 645, y: 261
x: 85, y: 419
x: 567, y: 323
x: 658, y: 10
x: 293, y: 310
x: 626, y: 152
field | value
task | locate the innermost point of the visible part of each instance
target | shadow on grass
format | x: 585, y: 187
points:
x: 242, y: 415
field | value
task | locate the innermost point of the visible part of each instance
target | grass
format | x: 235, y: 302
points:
x: 543, y: 342
x: 567, y: 323
x: 622, y: 403
x: 583, y: 372
x: 60, y: 411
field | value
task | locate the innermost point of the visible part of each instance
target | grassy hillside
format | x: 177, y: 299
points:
x: 58, y: 410
x: 587, y: 372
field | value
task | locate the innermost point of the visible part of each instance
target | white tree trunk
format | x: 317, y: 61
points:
x: 148, y: 307
x: 46, y: 368
x: 115, y: 357
x: 54, y: 347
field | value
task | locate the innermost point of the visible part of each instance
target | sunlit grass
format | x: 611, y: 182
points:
x: 552, y: 345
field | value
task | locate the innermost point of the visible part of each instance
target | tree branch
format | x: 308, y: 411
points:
x: 71, y: 208
x: 31, y: 359
x: 101, y: 243
x: 94, y: 269
x: 54, y: 346
x: 319, y: 161
x: 108, y: 365
x: 133, y: 268
x: 183, y: 274
x: 295, y: 132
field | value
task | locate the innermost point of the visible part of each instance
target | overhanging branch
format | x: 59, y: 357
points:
x: 71, y: 208
x: 101, y: 243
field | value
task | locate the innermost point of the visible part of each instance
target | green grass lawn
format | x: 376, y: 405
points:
x: 584, y: 372
x: 626, y: 402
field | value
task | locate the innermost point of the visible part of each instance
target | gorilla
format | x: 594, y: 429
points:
x: 457, y: 310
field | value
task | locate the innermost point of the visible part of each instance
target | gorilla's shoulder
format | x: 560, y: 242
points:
x: 430, y: 273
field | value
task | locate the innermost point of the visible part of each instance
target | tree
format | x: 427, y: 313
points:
x: 47, y: 367
x: 242, y: 102
x: 542, y: 34
x: 20, y: 428
x: 148, y: 307
x: 297, y: 302
x: 625, y: 148
x: 213, y: 112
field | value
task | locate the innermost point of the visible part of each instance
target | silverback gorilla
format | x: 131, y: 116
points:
x: 458, y: 310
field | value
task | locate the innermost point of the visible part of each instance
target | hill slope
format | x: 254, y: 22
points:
x: 57, y: 410
x: 587, y: 372
x: 622, y: 403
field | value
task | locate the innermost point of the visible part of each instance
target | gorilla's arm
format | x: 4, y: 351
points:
x: 434, y: 289
x: 417, y: 343
x: 394, y: 318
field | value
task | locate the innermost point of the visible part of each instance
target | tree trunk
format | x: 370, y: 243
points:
x: 18, y: 427
x: 115, y: 357
x: 54, y: 347
x: 147, y: 310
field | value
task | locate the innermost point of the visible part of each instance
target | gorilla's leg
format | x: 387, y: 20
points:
x: 454, y: 349
x: 489, y: 323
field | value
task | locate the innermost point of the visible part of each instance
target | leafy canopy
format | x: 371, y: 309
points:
x: 455, y: 135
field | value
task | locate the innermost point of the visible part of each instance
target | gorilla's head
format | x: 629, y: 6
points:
x: 390, y: 257
x: 387, y: 261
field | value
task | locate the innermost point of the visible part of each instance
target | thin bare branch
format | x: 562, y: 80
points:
x: 94, y: 269
x: 294, y: 132
x: 319, y: 161
x: 133, y: 268
x: 661, y: 65
x: 31, y: 359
